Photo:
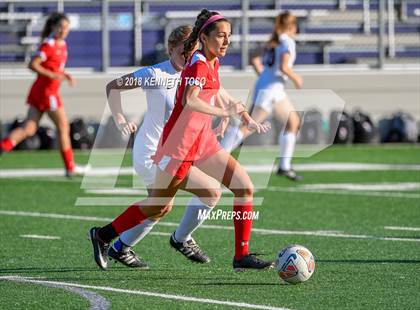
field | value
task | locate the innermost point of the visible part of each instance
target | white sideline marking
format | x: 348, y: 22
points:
x: 402, y: 228
x: 96, y: 301
x: 365, y: 186
x: 41, y: 237
x: 344, y: 192
x: 144, y: 293
x: 112, y: 171
x: 117, y: 191
x: 318, y: 233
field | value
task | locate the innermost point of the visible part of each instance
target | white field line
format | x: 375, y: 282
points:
x: 319, y: 233
x: 125, y: 201
x: 41, y: 237
x: 117, y: 191
x: 365, y: 186
x: 97, y: 302
x: 267, y: 168
x: 344, y: 192
x: 406, y: 186
x: 144, y: 293
x: 402, y: 228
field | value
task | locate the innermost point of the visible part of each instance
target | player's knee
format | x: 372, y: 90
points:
x: 166, y: 210
x: 293, y: 123
x: 30, y: 130
x: 247, y: 191
x: 214, y: 197
x: 63, y: 130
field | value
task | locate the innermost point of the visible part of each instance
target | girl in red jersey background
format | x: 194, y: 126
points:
x: 189, y: 140
x: 48, y: 63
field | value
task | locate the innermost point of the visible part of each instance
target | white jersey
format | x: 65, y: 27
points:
x: 269, y: 88
x: 160, y: 82
x: 272, y: 60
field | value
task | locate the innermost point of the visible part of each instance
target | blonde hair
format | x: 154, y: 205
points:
x: 282, y: 22
x: 179, y: 35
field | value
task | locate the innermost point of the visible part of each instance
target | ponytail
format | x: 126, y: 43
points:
x: 53, y: 21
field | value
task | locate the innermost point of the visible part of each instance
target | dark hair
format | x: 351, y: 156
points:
x: 200, y: 21
x: 283, y: 20
x: 52, y: 21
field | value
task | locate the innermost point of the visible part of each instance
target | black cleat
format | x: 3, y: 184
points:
x: 251, y: 261
x: 100, y: 249
x: 190, y: 250
x: 129, y: 258
x: 290, y: 174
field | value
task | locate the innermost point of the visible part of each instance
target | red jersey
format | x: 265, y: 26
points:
x: 54, y: 56
x: 188, y: 134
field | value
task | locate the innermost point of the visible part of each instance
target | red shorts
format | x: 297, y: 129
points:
x: 43, y: 103
x: 175, y: 167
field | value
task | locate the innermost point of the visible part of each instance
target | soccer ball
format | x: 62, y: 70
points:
x: 295, y: 264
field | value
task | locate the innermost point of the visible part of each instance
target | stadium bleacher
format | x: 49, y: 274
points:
x: 19, y: 27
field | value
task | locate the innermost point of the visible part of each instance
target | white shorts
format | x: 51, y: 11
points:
x: 266, y: 96
x: 146, y: 169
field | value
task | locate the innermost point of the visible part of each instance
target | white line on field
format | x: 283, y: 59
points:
x: 402, y: 228
x: 144, y: 293
x: 41, y: 237
x: 344, y: 192
x: 385, y: 186
x: 97, y: 302
x: 318, y: 233
x: 266, y: 168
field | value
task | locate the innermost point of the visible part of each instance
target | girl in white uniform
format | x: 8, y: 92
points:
x: 160, y: 83
x: 274, y: 69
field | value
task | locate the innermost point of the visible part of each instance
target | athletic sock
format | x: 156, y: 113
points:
x: 67, y: 156
x: 120, y: 246
x: 243, y: 227
x: 134, y: 235
x: 7, y: 144
x: 194, y: 215
x: 287, y: 141
x: 232, y: 138
x: 131, y: 217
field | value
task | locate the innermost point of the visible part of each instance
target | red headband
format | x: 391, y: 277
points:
x: 211, y: 20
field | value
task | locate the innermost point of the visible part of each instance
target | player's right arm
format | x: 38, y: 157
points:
x: 113, y: 93
x: 43, y: 53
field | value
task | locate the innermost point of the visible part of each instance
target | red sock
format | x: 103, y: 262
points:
x: 67, y: 156
x: 242, y: 228
x: 7, y: 144
x: 128, y: 219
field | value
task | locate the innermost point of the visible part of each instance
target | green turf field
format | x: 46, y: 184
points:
x: 365, y: 237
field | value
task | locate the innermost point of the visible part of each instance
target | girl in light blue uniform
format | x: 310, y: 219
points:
x: 274, y: 68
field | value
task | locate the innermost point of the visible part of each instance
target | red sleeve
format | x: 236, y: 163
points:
x: 196, y: 74
x: 44, y: 51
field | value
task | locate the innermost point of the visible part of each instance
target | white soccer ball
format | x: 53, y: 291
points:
x: 295, y: 264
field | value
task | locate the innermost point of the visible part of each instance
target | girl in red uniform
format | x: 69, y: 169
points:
x: 44, y: 95
x: 188, y: 139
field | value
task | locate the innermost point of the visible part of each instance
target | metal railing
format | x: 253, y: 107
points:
x: 384, y: 17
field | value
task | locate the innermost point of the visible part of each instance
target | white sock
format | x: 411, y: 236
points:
x: 190, y: 221
x: 133, y: 236
x: 232, y: 138
x: 287, y: 141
